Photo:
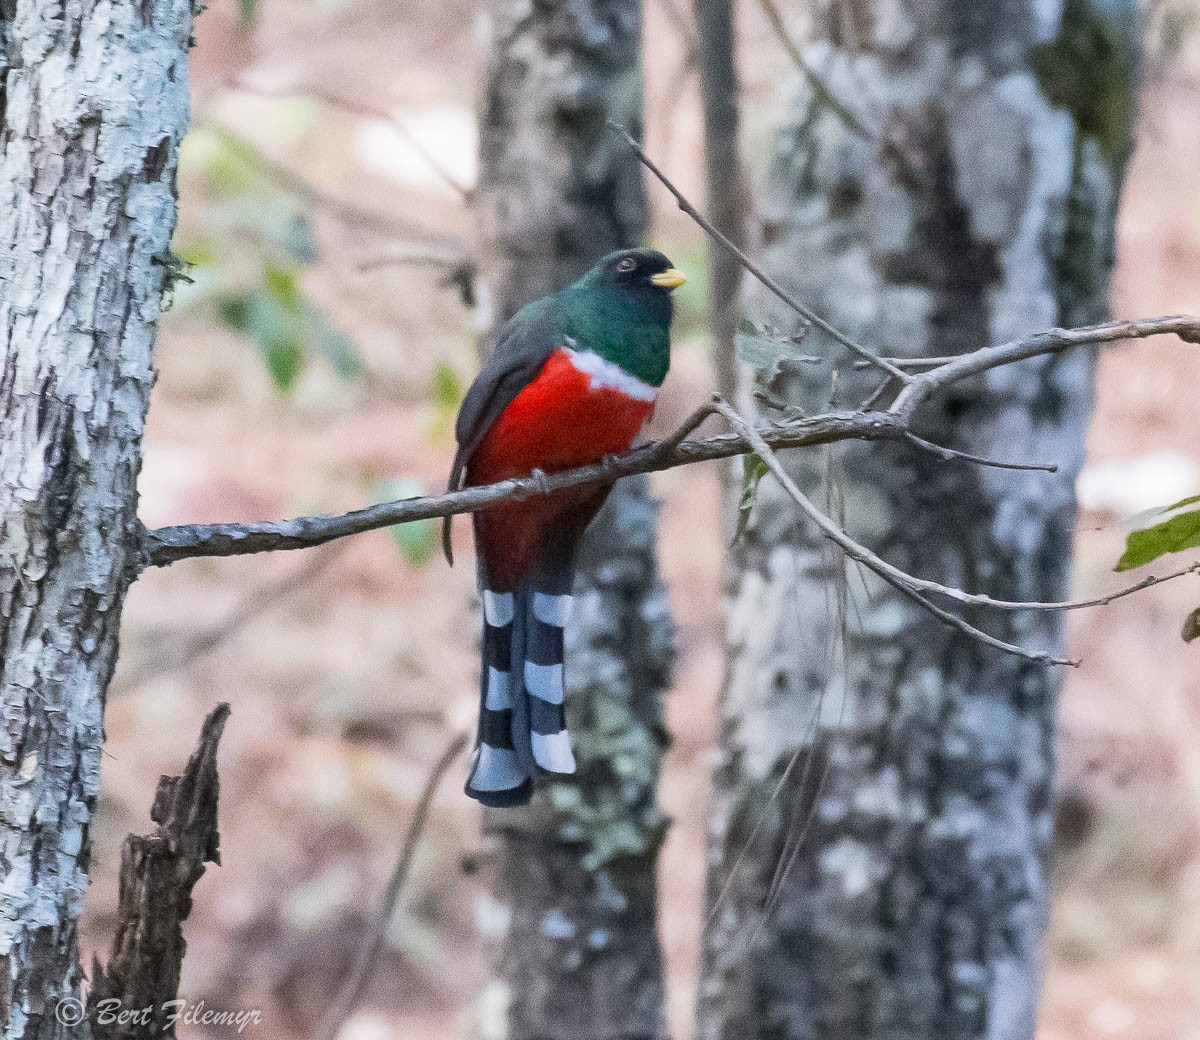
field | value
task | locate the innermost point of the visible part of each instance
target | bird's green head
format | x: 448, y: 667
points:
x: 621, y: 309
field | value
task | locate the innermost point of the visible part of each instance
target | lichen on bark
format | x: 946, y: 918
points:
x: 922, y: 800
x: 577, y: 870
x: 93, y: 106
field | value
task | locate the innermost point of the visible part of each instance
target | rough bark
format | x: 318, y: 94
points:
x: 158, y: 872
x: 93, y: 103
x: 922, y: 798
x: 577, y: 871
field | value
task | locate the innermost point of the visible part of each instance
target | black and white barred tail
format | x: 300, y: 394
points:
x: 522, y: 724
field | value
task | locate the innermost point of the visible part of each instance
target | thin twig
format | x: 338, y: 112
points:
x: 364, y: 964
x: 344, y: 210
x: 918, y: 363
x: 876, y: 395
x: 421, y: 254
x: 950, y: 454
x: 361, y: 109
x: 815, y: 79
x: 898, y: 579
x: 686, y: 428
x: 256, y: 603
x: 805, y: 312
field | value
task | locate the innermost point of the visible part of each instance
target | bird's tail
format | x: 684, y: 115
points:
x: 522, y: 725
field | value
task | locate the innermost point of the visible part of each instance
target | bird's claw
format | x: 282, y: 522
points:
x: 609, y: 462
x: 541, y: 482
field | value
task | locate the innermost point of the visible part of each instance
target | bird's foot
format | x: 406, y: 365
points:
x: 541, y: 482
x: 609, y: 462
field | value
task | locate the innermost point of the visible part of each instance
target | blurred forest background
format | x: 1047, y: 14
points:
x: 315, y: 363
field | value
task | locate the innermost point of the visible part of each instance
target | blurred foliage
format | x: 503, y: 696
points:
x: 691, y: 298
x: 1191, y: 626
x: 417, y: 541
x: 249, y: 262
x: 1089, y: 69
x: 767, y: 351
x: 447, y: 394
x: 753, y: 470
x: 287, y: 328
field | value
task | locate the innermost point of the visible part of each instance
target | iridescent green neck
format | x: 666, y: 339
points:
x: 630, y: 330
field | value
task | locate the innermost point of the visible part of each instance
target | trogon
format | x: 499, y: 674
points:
x: 572, y: 379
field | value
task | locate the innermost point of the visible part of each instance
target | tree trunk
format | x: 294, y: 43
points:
x: 979, y: 207
x: 93, y: 104
x: 725, y: 200
x: 577, y: 870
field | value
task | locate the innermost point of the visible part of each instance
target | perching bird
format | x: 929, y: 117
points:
x: 572, y: 380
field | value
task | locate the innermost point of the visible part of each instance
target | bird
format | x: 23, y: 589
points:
x: 572, y: 380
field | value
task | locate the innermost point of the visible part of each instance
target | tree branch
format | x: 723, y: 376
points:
x: 815, y: 79
x: 950, y: 454
x: 898, y: 579
x: 170, y: 544
x: 348, y: 212
x: 362, y: 110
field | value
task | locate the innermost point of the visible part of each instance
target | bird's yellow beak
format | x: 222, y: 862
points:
x: 668, y: 279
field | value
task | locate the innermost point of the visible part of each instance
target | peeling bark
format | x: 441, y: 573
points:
x: 577, y: 870
x: 158, y: 872
x: 93, y: 103
x: 923, y: 798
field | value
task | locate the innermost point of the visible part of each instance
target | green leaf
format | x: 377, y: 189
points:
x: 283, y: 284
x: 753, y: 470
x: 288, y: 329
x: 196, y: 253
x: 447, y: 390
x: 1190, y: 500
x: 234, y: 311
x: 417, y: 541
x: 275, y: 325
x: 284, y: 360
x: 768, y: 351
x: 1173, y: 535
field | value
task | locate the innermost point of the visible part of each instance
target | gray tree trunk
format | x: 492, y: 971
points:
x: 922, y: 799
x: 93, y: 104
x: 725, y: 201
x: 577, y: 871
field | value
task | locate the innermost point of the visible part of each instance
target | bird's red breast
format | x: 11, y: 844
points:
x: 567, y: 416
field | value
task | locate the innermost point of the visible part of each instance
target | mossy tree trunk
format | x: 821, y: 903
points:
x: 93, y: 104
x: 577, y: 870
x: 979, y: 207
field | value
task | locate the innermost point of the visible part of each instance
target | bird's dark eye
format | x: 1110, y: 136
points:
x: 626, y: 265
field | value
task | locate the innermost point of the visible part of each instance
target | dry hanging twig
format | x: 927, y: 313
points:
x: 364, y: 964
